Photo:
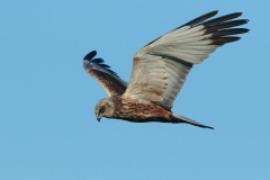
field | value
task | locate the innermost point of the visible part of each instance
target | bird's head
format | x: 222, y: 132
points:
x: 104, y: 108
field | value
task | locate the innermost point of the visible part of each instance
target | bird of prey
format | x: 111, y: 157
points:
x: 160, y: 69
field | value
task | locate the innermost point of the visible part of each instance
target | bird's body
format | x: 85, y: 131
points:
x: 160, y: 69
x: 137, y: 111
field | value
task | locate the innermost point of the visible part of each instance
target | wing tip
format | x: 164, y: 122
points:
x: 246, y: 20
x: 214, y: 12
x: 90, y: 55
x: 235, y: 14
x: 200, y: 19
x: 210, y: 13
x: 97, y: 63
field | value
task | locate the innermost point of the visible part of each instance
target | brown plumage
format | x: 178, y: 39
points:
x: 160, y: 69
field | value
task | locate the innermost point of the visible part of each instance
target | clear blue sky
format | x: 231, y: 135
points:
x: 48, y: 130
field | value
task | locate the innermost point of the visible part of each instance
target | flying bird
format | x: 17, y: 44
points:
x: 160, y: 69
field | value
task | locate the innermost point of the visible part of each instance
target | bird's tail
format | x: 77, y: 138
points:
x: 181, y: 119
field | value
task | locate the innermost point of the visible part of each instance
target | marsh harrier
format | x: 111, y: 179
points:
x: 160, y: 69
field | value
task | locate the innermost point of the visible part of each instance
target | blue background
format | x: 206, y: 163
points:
x: 48, y: 130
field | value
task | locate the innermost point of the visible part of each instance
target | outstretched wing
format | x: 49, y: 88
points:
x: 160, y: 68
x: 108, y: 79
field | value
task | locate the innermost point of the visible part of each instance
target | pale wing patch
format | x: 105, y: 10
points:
x: 157, y: 80
x: 176, y: 73
x: 189, y: 44
x: 148, y: 80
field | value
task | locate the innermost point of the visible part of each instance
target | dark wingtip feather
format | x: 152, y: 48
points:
x: 209, y: 14
x: 233, y: 15
x: 223, y: 40
x: 223, y: 28
x: 236, y: 14
x: 232, y: 31
x: 222, y: 18
x: 214, y: 12
x: 244, y: 21
x: 225, y: 24
x: 99, y: 62
x: 90, y: 55
x: 201, y: 18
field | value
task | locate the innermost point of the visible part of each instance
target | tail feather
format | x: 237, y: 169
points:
x: 182, y: 119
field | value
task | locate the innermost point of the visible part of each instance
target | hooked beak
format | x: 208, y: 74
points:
x: 98, y: 118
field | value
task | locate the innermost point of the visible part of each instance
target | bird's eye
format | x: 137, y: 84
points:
x: 102, y: 110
